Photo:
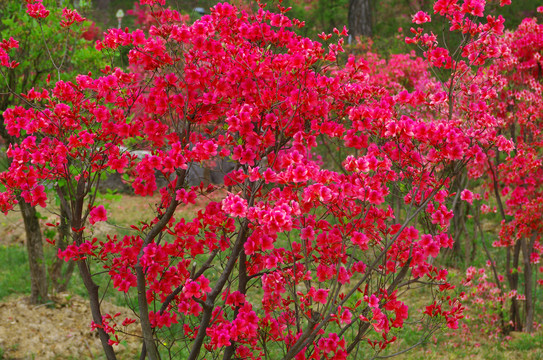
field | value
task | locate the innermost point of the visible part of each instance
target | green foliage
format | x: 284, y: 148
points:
x: 106, y: 291
x: 390, y: 16
x: 319, y: 16
x: 44, y: 49
x: 109, y: 195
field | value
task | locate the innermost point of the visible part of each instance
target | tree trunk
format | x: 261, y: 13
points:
x: 34, y: 246
x: 34, y: 243
x: 95, y: 301
x: 77, y: 219
x: 359, y: 18
x: 92, y: 291
x: 527, y: 249
x: 514, y: 313
x: 60, y: 281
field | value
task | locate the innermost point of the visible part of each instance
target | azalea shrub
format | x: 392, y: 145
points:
x: 510, y: 190
x: 516, y: 179
x: 66, y: 52
x: 503, y: 86
x: 485, y: 304
x: 293, y: 256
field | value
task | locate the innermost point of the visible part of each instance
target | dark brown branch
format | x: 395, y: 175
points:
x: 208, y: 304
x: 146, y: 328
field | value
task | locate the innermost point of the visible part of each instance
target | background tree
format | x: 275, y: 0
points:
x: 42, y: 53
x: 360, y: 18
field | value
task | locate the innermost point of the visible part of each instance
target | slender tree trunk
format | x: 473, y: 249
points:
x: 146, y: 328
x: 473, y: 248
x: 359, y: 18
x: 492, y: 264
x: 34, y: 246
x: 527, y: 247
x: 94, y: 299
x: 207, y: 176
x: 512, y: 276
x: 208, y: 305
x: 458, y: 228
x: 77, y: 222
x: 59, y: 281
x: 242, y: 288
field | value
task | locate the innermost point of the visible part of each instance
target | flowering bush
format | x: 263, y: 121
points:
x: 487, y: 302
x: 62, y: 56
x: 297, y: 257
x: 512, y: 179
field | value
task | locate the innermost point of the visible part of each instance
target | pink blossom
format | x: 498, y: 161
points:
x: 467, y: 195
x: 98, y: 213
x: 421, y: 17
x: 37, y: 10
x: 235, y: 205
x: 321, y: 295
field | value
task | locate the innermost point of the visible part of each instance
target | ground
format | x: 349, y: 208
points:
x: 57, y: 330
x: 60, y: 329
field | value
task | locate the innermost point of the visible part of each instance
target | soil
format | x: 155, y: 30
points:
x: 61, y: 328
x: 57, y: 330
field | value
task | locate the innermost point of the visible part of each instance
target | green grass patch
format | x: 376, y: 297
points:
x: 525, y: 342
x: 14, y: 271
x: 15, y: 276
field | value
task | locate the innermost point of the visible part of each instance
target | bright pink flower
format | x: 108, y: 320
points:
x: 186, y: 197
x: 360, y: 239
x: 345, y: 316
x: 380, y: 321
x: 474, y: 7
x: 38, y: 196
x: 321, y: 295
x: 235, y: 205
x: 467, y: 195
x: 70, y: 16
x: 421, y: 17
x: 373, y: 301
x: 9, y: 44
x: 444, y: 6
x: 165, y: 319
x: 97, y: 213
x: 37, y: 10
x: 192, y: 289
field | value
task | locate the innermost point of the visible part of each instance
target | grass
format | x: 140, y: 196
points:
x: 443, y: 348
x: 14, y: 271
x: 526, y: 342
x: 15, y: 280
